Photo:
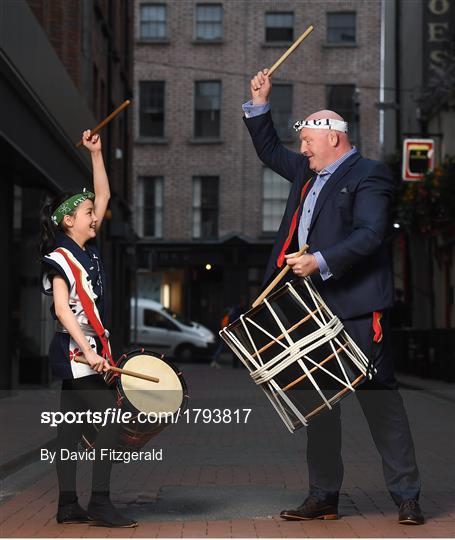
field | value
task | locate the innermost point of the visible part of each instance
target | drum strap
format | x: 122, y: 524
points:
x: 88, y: 302
x: 377, y: 338
x: 377, y: 328
x: 288, y: 240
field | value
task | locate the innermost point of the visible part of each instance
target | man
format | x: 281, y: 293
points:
x: 340, y: 204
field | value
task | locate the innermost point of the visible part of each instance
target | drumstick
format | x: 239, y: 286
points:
x: 291, y: 49
x: 83, y: 360
x: 106, y: 120
x: 278, y: 278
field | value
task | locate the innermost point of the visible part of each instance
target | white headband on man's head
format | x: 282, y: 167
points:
x: 322, y: 123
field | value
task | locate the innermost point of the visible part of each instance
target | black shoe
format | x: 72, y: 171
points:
x: 313, y: 508
x: 71, y: 513
x: 104, y: 514
x: 410, y: 513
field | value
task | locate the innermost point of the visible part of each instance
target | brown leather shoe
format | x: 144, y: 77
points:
x: 312, y: 508
x: 410, y: 513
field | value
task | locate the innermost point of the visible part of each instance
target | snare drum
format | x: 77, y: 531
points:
x: 298, y: 352
x: 160, y: 403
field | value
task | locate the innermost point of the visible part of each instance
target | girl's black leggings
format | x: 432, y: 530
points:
x: 78, y: 395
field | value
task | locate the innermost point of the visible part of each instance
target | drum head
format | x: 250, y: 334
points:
x: 165, y: 396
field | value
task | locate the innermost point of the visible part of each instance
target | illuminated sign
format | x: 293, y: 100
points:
x: 418, y: 158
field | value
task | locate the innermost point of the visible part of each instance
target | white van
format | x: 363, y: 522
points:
x: 163, y: 331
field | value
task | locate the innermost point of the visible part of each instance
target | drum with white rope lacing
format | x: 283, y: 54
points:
x: 298, y: 352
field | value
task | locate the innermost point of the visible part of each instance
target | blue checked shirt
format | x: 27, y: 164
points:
x: 323, y: 176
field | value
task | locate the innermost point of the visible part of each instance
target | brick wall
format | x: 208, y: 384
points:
x: 60, y: 21
x: 180, y: 62
x: 85, y: 36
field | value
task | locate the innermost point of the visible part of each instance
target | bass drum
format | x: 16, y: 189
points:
x: 298, y: 352
x: 153, y: 405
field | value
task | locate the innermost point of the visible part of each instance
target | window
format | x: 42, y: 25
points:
x: 279, y: 26
x: 341, y: 27
x: 156, y: 320
x: 151, y: 121
x: 17, y: 208
x: 152, y: 22
x: 275, y: 194
x: 95, y: 93
x: 205, y: 207
x: 209, y: 22
x: 343, y: 100
x: 207, y: 109
x: 281, y: 103
x: 150, y: 206
x: 103, y: 99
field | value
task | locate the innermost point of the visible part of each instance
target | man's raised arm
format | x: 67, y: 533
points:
x: 259, y: 122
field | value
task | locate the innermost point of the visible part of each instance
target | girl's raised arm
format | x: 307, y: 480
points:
x: 100, y: 179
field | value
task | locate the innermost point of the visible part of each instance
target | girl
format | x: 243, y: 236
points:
x: 73, y: 274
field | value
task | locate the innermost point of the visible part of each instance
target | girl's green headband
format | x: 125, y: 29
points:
x: 70, y: 204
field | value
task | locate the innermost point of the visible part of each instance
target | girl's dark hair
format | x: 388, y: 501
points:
x: 48, y: 229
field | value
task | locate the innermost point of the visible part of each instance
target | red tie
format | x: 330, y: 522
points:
x: 288, y: 240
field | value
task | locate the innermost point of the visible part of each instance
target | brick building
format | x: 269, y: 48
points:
x: 206, y: 210
x: 63, y: 66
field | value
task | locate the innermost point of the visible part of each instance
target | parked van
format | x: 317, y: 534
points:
x: 165, y: 332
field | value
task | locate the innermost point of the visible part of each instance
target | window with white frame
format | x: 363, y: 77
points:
x: 279, y: 26
x: 209, y: 22
x: 152, y: 22
x: 150, y: 206
x: 275, y: 193
x: 205, y: 207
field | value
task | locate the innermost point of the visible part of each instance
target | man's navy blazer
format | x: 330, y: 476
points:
x: 349, y: 226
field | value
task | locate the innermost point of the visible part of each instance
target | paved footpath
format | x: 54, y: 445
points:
x: 232, y: 480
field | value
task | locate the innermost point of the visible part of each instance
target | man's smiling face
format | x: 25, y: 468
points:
x: 322, y: 146
x: 314, y: 144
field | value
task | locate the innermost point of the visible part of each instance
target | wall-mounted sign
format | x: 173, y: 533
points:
x: 418, y: 158
x: 439, y: 23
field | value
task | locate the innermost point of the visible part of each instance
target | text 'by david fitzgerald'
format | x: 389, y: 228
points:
x: 102, y: 454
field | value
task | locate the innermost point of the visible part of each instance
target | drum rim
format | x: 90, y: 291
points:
x: 142, y: 350
x: 269, y: 298
x: 89, y: 438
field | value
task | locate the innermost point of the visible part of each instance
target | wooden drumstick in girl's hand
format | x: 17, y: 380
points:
x: 121, y: 371
x: 106, y: 120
